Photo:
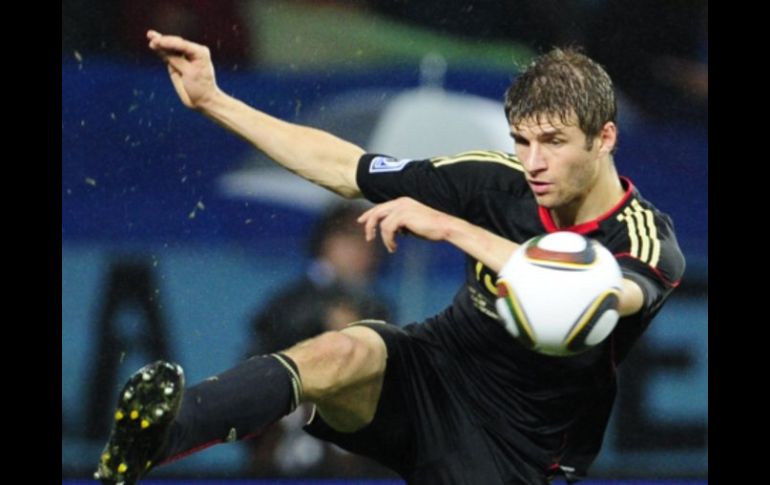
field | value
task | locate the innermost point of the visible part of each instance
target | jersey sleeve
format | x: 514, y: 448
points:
x: 444, y: 183
x: 652, y: 259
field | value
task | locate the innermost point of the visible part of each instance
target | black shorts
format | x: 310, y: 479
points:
x: 423, y: 428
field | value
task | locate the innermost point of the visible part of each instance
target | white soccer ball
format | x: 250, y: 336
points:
x: 558, y: 293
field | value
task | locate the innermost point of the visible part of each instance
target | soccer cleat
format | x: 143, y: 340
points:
x: 146, y: 408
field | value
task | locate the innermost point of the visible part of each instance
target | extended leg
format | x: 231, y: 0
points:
x: 341, y: 372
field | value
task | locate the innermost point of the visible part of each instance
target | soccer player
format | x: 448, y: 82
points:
x: 455, y: 399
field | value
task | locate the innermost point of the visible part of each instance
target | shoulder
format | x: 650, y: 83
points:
x: 474, y: 159
x: 643, y: 239
x: 480, y: 169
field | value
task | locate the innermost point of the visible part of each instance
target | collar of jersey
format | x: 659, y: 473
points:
x: 589, y: 226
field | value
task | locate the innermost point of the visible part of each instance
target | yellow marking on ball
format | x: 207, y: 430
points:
x: 105, y: 457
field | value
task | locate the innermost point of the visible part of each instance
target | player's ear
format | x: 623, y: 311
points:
x: 608, y: 136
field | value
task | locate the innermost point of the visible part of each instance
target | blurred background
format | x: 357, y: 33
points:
x: 180, y: 241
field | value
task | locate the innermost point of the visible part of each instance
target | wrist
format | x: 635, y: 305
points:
x: 213, y: 102
x: 455, y: 230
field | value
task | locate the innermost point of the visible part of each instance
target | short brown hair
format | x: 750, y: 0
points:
x: 560, y: 84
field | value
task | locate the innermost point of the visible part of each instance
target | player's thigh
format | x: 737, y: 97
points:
x: 342, y: 373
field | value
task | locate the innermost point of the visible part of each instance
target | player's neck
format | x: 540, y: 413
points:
x: 605, y: 195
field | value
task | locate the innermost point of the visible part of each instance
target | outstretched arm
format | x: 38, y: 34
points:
x: 406, y: 214
x: 312, y: 154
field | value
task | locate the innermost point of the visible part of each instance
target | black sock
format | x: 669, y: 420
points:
x: 234, y: 405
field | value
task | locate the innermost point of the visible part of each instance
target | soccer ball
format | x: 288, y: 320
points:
x: 558, y: 293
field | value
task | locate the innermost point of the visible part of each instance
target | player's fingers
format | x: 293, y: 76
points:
x: 388, y: 239
x: 174, y: 43
x: 370, y: 228
x: 370, y: 225
x: 177, y: 63
x: 389, y: 228
x: 363, y: 217
x: 176, y: 80
x: 374, y: 216
x: 168, y: 42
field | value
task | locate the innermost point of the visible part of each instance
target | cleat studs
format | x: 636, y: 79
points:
x: 97, y: 475
x: 134, y: 414
x: 145, y: 424
x: 122, y: 468
x: 105, y: 457
x: 119, y: 415
x: 168, y: 390
x: 146, y: 376
x: 147, y: 466
x: 159, y: 412
x: 127, y: 395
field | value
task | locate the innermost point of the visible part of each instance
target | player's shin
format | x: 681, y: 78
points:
x: 234, y: 405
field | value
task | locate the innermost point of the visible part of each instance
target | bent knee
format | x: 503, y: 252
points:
x: 336, y: 361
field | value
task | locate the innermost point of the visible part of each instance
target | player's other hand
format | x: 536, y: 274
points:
x: 189, y: 65
x: 403, y: 215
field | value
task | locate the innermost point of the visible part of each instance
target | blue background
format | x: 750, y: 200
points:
x: 135, y: 163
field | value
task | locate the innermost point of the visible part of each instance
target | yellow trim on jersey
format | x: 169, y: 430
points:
x: 641, y: 227
x: 642, y: 233
x: 490, y: 286
x: 631, y: 226
x: 653, y: 230
x: 487, y: 279
x: 502, y: 158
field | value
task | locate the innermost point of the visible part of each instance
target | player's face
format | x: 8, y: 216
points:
x: 560, y: 169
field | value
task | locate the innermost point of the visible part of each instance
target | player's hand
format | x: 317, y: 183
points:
x: 189, y: 65
x: 403, y: 215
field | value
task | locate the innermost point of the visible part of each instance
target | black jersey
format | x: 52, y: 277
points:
x: 553, y: 409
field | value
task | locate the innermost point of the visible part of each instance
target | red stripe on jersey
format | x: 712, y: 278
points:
x: 586, y: 227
